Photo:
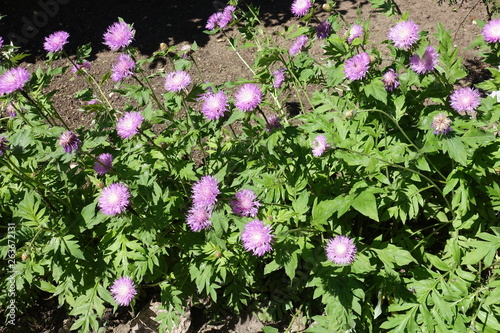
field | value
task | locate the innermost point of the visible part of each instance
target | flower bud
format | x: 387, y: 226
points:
x: 25, y: 256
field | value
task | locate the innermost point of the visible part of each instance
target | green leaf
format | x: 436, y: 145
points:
x: 366, y: 204
x: 390, y: 254
x: 322, y: 211
x: 455, y: 149
x: 377, y: 90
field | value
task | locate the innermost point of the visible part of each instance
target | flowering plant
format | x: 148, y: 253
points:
x: 380, y: 197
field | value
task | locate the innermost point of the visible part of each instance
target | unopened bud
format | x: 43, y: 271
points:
x: 348, y: 114
x: 327, y: 7
x: 25, y: 256
x: 100, y: 185
x: 163, y: 145
x: 163, y: 47
x: 218, y: 254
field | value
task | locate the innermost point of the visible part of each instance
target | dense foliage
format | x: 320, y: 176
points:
x: 218, y: 194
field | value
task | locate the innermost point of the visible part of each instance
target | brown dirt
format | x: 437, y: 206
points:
x: 177, y: 22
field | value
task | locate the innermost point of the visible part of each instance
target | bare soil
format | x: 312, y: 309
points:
x: 27, y: 23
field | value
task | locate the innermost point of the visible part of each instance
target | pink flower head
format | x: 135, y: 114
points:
x: 301, y: 7
x: 257, y: 237
x: 56, y: 41
x: 177, y: 81
x: 323, y: 29
x: 273, y: 121
x: 11, y: 110
x: 103, y: 163
x: 279, y: 77
x: 465, y: 101
x: 390, y: 79
x: 198, y: 218
x: 79, y: 68
x: 355, y: 68
x: 245, y: 203
x: 118, y: 35
x: 122, y: 68
x: 425, y: 64
x: 319, y: 145
x: 114, y: 199
x: 3, y: 145
x: 441, y: 124
x: 214, y: 105
x: 354, y: 32
x: 13, y: 79
x: 123, y: 290
x: 491, y: 31
x: 129, y: 124
x: 404, y: 34
x: 248, y: 97
x: 1, y: 42
x: 341, y: 250
x: 69, y: 142
x: 205, y: 192
x: 220, y: 19
x: 298, y: 45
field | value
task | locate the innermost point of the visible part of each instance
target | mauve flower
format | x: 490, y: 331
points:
x: 13, y: 79
x: 79, y: 68
x: 248, y: 97
x: 390, y: 79
x: 11, y: 110
x: 3, y: 145
x: 341, y: 250
x: 323, y: 30
x: 319, y: 145
x: 354, y: 32
x: 245, y: 203
x: 491, y: 31
x: 129, y: 124
x: 198, y: 218
x: 257, y: 237
x: 122, y: 67
x: 425, y: 64
x: 355, y: 68
x: 441, y: 124
x: 404, y: 34
x: 220, y: 19
x: 301, y: 7
x: 298, y: 45
x: 273, y: 122
x: 114, y: 199
x: 205, y: 192
x: 177, y: 81
x: 279, y: 77
x: 119, y: 34
x: 123, y: 290
x: 56, y: 41
x: 69, y: 142
x: 214, y: 105
x: 1, y: 42
x: 465, y: 101
x: 103, y: 163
